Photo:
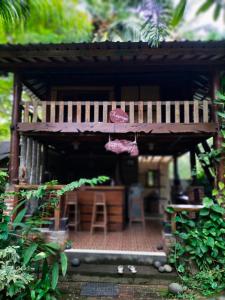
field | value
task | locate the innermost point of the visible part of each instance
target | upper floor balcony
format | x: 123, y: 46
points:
x: 93, y: 116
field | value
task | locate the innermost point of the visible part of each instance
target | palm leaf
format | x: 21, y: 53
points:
x: 205, y: 6
x: 179, y: 13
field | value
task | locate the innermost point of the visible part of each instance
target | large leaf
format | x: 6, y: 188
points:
x: 64, y: 263
x: 205, y: 6
x: 210, y: 242
x: 40, y: 255
x: 55, y: 275
x: 217, y: 11
x: 53, y: 246
x: 207, y: 202
x: 218, y: 209
x: 29, y: 252
x: 20, y: 216
x: 21, y: 203
x: 178, y: 13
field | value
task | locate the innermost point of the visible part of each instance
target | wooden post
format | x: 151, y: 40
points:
x: 193, y: 166
x: 37, y: 179
x: 23, y: 152
x: 176, y: 173
x: 15, y: 140
x: 28, y: 159
x: 218, y: 139
x: 34, y: 163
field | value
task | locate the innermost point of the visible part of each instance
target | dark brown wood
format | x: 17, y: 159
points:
x: 176, y: 172
x: 16, y: 118
x: 193, y: 166
x: 119, y: 128
x: 114, y: 199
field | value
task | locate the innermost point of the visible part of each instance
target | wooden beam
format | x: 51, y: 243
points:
x: 16, y: 118
x: 118, y: 128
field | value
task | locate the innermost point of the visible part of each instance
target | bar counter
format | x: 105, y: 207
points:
x: 115, y: 199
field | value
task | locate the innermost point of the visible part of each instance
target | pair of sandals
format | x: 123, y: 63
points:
x: 132, y: 269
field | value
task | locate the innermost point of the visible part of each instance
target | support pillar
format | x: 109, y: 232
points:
x: 176, y: 173
x: 15, y: 139
x: 193, y: 166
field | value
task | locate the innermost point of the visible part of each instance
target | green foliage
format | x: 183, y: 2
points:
x: 14, y: 277
x: 5, y: 106
x: 205, y: 5
x: 179, y: 12
x: 30, y: 266
x: 199, y: 252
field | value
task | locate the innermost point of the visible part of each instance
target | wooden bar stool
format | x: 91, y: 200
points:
x: 72, y: 207
x: 99, y: 212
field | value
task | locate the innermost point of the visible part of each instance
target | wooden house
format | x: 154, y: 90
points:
x: 60, y: 131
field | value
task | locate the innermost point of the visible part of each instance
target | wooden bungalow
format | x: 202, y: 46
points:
x: 59, y: 130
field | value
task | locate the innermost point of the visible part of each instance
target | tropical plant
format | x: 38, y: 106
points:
x: 46, y: 21
x: 30, y: 266
x: 205, y: 5
x: 199, y: 251
x: 157, y: 15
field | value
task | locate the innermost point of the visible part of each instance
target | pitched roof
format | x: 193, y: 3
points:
x: 186, y: 52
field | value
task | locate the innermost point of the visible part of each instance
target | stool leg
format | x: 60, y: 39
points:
x: 93, y: 218
x: 105, y: 220
x: 75, y: 217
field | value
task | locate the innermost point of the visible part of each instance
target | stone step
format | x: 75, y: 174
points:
x: 116, y: 257
x: 108, y: 273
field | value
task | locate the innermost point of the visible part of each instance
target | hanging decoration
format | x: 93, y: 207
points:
x: 120, y: 146
x: 118, y: 116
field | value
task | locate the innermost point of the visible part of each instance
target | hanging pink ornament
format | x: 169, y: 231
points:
x: 118, y: 116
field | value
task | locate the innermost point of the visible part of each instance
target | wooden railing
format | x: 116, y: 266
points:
x: 187, y: 112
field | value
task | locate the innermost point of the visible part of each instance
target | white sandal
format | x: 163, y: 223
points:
x: 132, y: 269
x: 120, y: 269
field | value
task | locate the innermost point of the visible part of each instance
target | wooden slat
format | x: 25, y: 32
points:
x: 70, y: 112
x: 26, y: 112
x: 43, y: 111
x: 140, y: 112
x: 61, y: 111
x: 87, y: 111
x: 168, y: 112
x: 131, y: 111
x: 149, y: 112
x: 205, y: 111
x: 177, y: 112
x: 105, y: 111
x: 113, y: 105
x: 96, y: 111
x: 52, y: 112
x: 196, y: 111
x: 186, y: 112
x: 35, y: 111
x: 78, y: 112
x: 123, y: 105
x: 158, y: 112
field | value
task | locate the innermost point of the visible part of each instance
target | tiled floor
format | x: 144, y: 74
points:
x: 130, y: 239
